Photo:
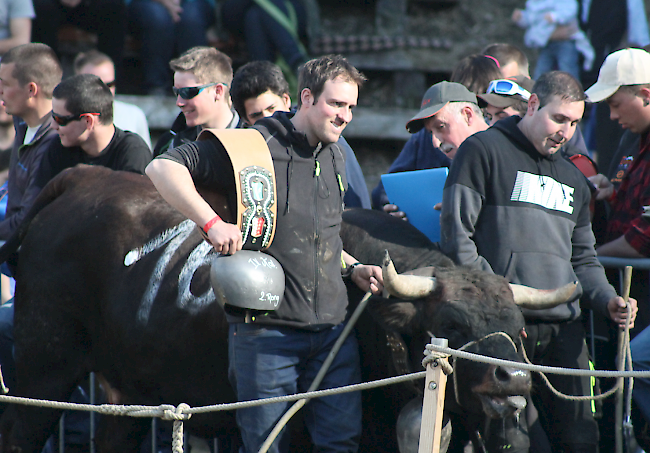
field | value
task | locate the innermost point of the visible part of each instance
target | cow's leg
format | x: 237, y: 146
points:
x: 119, y: 434
x: 49, y: 365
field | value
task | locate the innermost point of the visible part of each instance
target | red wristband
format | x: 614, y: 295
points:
x: 210, y: 224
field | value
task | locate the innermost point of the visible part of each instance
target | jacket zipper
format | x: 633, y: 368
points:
x: 316, y: 234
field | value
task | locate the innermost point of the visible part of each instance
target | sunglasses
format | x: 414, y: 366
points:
x: 64, y: 120
x: 507, y: 87
x: 110, y: 84
x: 191, y: 92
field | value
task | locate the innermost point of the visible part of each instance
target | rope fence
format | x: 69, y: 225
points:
x: 183, y: 412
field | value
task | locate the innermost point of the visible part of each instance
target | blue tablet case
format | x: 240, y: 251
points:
x: 415, y: 193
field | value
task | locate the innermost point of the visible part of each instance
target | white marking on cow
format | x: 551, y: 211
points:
x: 136, y: 255
x: 172, y: 239
x: 203, y: 254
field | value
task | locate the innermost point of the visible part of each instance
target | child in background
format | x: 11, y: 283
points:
x: 552, y: 26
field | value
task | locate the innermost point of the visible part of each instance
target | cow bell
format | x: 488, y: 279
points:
x: 248, y: 279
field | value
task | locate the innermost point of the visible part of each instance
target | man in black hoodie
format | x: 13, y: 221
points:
x: 525, y: 215
x: 280, y: 352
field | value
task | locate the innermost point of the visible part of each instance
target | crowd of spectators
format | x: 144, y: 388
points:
x: 490, y: 110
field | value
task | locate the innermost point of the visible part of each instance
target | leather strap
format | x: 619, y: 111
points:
x: 254, y: 182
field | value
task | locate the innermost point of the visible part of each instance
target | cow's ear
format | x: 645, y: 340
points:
x: 394, y: 314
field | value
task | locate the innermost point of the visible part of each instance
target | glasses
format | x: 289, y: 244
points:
x: 110, y: 84
x: 507, y: 87
x: 191, y: 92
x: 64, y: 120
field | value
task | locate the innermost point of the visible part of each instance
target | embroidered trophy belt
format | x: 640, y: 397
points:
x: 254, y: 182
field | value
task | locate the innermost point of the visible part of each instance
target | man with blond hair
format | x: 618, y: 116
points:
x: 202, y: 80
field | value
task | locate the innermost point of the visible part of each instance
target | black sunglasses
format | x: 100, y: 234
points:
x: 110, y: 84
x: 190, y: 92
x: 64, y: 120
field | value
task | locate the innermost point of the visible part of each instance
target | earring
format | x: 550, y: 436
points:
x: 646, y: 103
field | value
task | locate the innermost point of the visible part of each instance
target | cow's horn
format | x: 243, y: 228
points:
x: 539, y: 299
x: 405, y: 286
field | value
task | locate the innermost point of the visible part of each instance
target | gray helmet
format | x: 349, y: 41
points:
x: 248, y: 279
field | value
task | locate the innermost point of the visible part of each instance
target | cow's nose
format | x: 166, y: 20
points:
x: 515, y: 379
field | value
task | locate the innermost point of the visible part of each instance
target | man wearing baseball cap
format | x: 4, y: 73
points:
x: 624, y: 83
x: 451, y: 113
x: 512, y: 205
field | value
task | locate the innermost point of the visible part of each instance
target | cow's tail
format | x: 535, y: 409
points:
x: 57, y: 186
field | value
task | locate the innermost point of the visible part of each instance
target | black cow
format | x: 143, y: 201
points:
x: 111, y: 279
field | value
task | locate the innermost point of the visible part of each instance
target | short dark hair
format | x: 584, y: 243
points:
x: 316, y: 72
x: 86, y: 93
x: 506, y: 54
x: 35, y: 62
x: 255, y: 78
x: 476, y: 72
x: 560, y: 84
x: 92, y: 57
x: 207, y: 64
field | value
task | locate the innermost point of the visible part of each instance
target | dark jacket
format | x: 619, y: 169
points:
x: 524, y: 216
x: 309, y: 207
x: 23, y: 170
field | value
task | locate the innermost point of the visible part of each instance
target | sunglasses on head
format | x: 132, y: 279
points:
x: 64, y: 120
x: 507, y: 87
x: 190, y: 92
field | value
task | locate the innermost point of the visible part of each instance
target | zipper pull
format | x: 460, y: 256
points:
x: 317, y: 169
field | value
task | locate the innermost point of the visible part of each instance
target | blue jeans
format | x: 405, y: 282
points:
x: 265, y: 37
x: 7, y: 344
x: 561, y: 55
x: 640, y: 347
x: 266, y: 361
x: 162, y: 38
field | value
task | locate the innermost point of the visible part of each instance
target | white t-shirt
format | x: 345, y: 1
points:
x: 129, y: 117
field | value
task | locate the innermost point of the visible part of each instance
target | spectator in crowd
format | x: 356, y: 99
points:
x: 259, y: 89
x: 506, y: 97
x: 15, y: 23
x: 512, y: 60
x: 476, y: 72
x: 106, y: 18
x: 168, y: 28
x: 512, y: 178
x: 82, y: 108
x: 293, y: 341
x: 541, y: 19
x: 28, y: 75
x: 202, y: 79
x: 128, y: 117
x: 451, y: 113
x: 422, y: 150
x: 271, y: 28
x: 606, y: 23
x: 624, y: 84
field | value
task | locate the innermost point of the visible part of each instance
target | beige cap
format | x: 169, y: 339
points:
x: 623, y: 67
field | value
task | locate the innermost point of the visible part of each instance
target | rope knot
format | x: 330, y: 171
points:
x: 175, y: 413
x: 432, y: 356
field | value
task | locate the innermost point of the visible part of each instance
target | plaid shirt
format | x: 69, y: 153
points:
x: 628, y: 201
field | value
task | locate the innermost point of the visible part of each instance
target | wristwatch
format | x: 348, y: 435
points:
x: 347, y: 271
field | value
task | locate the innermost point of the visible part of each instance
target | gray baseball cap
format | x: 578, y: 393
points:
x: 436, y: 97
